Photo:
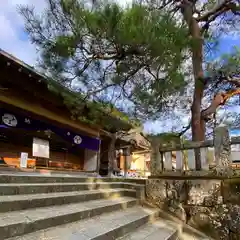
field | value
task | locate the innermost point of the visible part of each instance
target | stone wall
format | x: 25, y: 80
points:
x: 210, y: 205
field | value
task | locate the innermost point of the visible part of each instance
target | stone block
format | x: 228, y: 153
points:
x: 231, y: 191
x: 156, y: 191
x: 140, y: 192
x: 204, y: 192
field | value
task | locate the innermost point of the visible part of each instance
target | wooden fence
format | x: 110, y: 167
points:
x: 216, y: 152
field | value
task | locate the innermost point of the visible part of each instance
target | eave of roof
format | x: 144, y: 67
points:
x: 117, y: 123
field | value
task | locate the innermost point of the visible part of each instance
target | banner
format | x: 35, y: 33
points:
x: 9, y: 119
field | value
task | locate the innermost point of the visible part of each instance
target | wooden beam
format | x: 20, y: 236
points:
x: 235, y: 140
x: 193, y: 145
x: 185, y: 146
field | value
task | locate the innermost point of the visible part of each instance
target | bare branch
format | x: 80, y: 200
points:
x: 185, y: 129
x: 165, y: 3
x: 235, y: 81
x: 213, y: 12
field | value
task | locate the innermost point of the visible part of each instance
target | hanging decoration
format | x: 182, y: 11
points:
x: 10, y: 119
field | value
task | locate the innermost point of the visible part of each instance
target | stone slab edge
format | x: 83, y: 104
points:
x: 32, y: 226
x: 16, y: 205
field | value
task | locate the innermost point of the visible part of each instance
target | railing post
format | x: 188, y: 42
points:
x: 191, y: 160
x: 204, y: 160
x: 179, y: 161
x: 222, y: 149
x: 167, y: 161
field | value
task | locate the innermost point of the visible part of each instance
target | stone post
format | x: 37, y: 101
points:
x: 222, y: 149
x: 156, y: 157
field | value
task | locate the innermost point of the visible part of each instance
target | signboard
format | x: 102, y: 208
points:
x: 40, y: 148
x: 23, y: 160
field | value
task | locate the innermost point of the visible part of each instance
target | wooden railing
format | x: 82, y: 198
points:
x: 216, y: 152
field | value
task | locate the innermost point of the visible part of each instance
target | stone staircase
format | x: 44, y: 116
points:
x: 74, y: 208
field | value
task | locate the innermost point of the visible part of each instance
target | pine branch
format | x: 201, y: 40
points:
x: 217, y: 11
x: 213, y: 12
x: 235, y: 81
x: 185, y: 129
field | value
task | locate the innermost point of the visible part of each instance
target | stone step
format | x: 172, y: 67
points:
x: 17, y: 223
x: 185, y: 236
x: 21, y: 202
x: 160, y: 229
x: 59, y: 178
x: 104, y: 227
x: 32, y: 188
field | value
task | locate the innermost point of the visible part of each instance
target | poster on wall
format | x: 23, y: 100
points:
x: 40, y: 148
x: 23, y: 160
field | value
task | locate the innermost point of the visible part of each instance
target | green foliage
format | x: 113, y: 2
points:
x: 134, y: 53
x: 231, y: 62
x: 222, y: 70
x: 228, y: 64
x: 106, y: 48
x: 92, y: 112
x: 165, y: 138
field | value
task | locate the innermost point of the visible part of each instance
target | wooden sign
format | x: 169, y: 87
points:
x: 40, y: 148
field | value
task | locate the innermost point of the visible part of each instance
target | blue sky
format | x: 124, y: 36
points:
x: 226, y: 44
x: 15, y: 41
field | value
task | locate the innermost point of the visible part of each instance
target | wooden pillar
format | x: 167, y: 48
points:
x: 99, y: 158
x: 111, y: 154
x: 122, y: 161
x: 127, y: 156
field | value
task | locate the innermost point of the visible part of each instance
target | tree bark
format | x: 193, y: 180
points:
x: 198, y: 124
x: 217, y: 101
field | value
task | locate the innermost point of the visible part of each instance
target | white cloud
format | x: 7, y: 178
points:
x: 12, y: 37
x: 6, y: 29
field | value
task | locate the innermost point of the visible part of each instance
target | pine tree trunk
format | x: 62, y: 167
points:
x: 198, y: 125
